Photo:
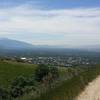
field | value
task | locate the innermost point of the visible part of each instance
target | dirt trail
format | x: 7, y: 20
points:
x: 91, y: 92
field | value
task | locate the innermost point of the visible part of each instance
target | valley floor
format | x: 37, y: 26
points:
x: 92, y: 91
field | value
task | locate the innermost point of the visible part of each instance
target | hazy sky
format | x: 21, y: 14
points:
x: 51, y: 22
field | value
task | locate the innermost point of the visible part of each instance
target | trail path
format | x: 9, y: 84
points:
x: 92, y: 91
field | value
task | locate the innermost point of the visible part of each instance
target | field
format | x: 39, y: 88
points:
x: 10, y: 70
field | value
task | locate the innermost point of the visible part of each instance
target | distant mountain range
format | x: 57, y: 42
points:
x: 14, y: 47
x: 95, y: 48
x: 9, y: 44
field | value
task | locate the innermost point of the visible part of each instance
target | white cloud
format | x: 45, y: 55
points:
x: 77, y: 25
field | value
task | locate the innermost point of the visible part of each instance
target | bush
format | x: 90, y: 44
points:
x: 19, y: 85
x: 54, y: 71
x: 41, y: 71
x: 4, y: 94
x: 16, y: 91
x: 44, y: 71
x: 19, y: 82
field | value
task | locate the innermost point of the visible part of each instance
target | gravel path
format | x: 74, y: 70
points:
x: 91, y: 92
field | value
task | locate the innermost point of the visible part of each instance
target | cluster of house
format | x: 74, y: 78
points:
x: 58, y: 61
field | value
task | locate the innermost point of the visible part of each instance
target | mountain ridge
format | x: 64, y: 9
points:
x: 6, y: 43
x: 19, y: 48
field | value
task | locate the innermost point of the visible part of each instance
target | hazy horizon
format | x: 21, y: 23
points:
x: 65, y: 23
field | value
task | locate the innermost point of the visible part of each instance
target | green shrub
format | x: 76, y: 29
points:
x: 16, y: 91
x: 44, y: 71
x: 19, y: 82
x: 4, y: 94
x: 21, y: 85
x: 41, y: 71
x: 54, y: 71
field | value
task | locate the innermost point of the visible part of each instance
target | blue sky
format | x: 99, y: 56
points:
x: 53, y: 4
x: 51, y: 22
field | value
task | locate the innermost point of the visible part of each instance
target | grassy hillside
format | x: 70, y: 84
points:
x: 71, y: 88
x: 71, y: 82
x: 11, y: 70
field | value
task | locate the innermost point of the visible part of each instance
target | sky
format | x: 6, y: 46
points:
x: 68, y: 23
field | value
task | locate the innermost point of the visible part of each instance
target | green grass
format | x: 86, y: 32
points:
x: 10, y: 70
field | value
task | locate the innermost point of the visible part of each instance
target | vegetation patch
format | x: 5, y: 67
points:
x: 42, y: 82
x: 72, y: 87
